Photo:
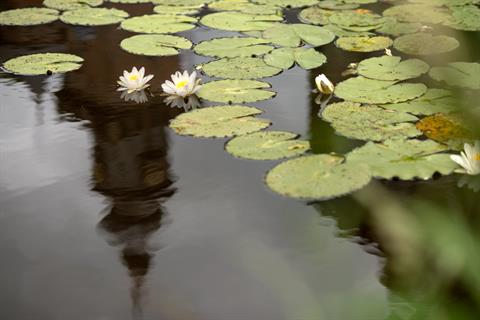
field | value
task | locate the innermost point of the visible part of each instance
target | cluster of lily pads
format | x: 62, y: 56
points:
x: 409, y: 129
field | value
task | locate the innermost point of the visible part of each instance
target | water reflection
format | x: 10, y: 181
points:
x: 186, y: 103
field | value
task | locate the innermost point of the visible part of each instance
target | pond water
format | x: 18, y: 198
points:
x: 106, y: 213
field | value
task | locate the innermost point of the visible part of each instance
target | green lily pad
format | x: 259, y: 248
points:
x: 287, y: 3
x: 177, y: 10
x: 285, y: 58
x: 219, y: 122
x: 396, y: 28
x: 293, y: 35
x: 392, y: 68
x: 238, y: 21
x: 448, y: 3
x: 27, y: 16
x: 235, y: 91
x: 43, y: 63
x: 337, y: 5
x: 240, y: 68
x: 458, y: 74
x: 182, y: 2
x: 233, y: 47
x: 130, y: 1
x: 434, y: 101
x: 63, y: 5
x: 267, y: 145
x: 425, y: 44
x: 315, y: 15
x: 418, y: 13
x: 155, y: 44
x: 364, y: 90
x: 318, y: 177
x: 357, y: 20
x: 93, y: 16
x: 159, y: 23
x: 369, y: 122
x: 405, y: 159
x: 363, y: 44
x: 339, y: 32
x: 465, y: 18
x: 245, y: 6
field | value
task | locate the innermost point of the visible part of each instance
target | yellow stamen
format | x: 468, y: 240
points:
x: 181, y: 84
x: 133, y: 77
x: 477, y: 157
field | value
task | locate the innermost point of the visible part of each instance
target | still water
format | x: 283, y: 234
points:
x: 107, y: 214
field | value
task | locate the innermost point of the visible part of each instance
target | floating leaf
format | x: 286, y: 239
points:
x: 315, y: 15
x: 235, y: 91
x: 27, y: 16
x: 392, y: 68
x: 285, y: 58
x: 219, y: 122
x: 177, y: 10
x: 240, y: 68
x: 339, y: 32
x: 363, y: 44
x: 405, y: 159
x: 267, y: 145
x: 434, y: 101
x: 245, y: 6
x: 233, y: 47
x: 395, y: 28
x: 337, y: 5
x: 287, y: 3
x: 418, y: 13
x: 357, y: 20
x: 459, y: 74
x: 465, y: 18
x: 293, y: 35
x: 155, y: 44
x: 43, y: 63
x: 425, y: 44
x: 318, y: 177
x: 130, y: 1
x: 93, y: 16
x: 71, y: 4
x: 448, y: 3
x: 369, y: 122
x: 237, y: 21
x: 159, y: 23
x: 366, y: 90
x: 182, y: 2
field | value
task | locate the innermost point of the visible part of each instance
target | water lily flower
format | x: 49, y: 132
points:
x: 134, y: 80
x: 136, y: 96
x: 469, y: 159
x: 388, y: 52
x: 182, y: 85
x: 324, y: 85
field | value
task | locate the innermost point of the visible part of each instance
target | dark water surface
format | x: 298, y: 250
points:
x: 107, y: 214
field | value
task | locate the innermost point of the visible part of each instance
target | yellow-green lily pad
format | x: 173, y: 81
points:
x: 465, y: 18
x: 236, y: 91
x: 315, y: 15
x: 155, y: 44
x: 458, y: 74
x: 418, y: 13
x: 425, y: 44
x: 63, y: 5
x: 240, y: 68
x: 356, y: 20
x: 433, y: 101
x: 238, y: 21
x: 294, y: 35
x: 177, y: 10
x: 285, y: 58
x: 43, y: 63
x: 245, y: 6
x: 233, y: 47
x: 159, y: 23
x: 363, y: 44
x: 93, y: 16
x: 288, y: 3
x: 392, y: 68
x: 28, y: 16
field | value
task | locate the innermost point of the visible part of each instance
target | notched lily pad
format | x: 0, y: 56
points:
x: 458, y: 74
x: 392, y: 68
x: 155, y: 44
x: 238, y: 21
x: 267, y: 145
x: 28, y: 16
x: 233, y: 47
x: 418, y: 13
x: 318, y: 177
x: 293, y: 35
x: 315, y: 15
x: 159, y: 23
x: 245, y: 6
x: 404, y: 159
x: 285, y: 58
x: 43, y: 63
x: 357, y: 20
x: 93, y: 16
x: 219, y: 122
x: 236, y: 91
x: 425, y: 44
x: 63, y: 5
x: 396, y: 28
x: 369, y: 122
x: 465, y: 18
x: 433, y: 101
x: 177, y: 10
x: 363, y: 44
x: 240, y: 68
x: 364, y: 90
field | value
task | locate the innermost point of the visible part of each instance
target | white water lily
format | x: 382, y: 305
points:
x: 134, y: 80
x: 324, y: 85
x: 136, y: 96
x: 388, y: 52
x: 469, y: 159
x: 182, y: 85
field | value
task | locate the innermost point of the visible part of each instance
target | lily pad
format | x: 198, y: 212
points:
x: 238, y: 21
x: 458, y: 74
x: 339, y: 32
x: 392, y: 68
x: 155, y: 44
x: 27, y: 16
x: 159, y: 23
x: 293, y: 35
x: 363, y: 44
x: 236, y: 91
x: 177, y: 10
x: 245, y: 6
x: 434, y: 101
x: 219, y: 122
x: 63, y: 5
x: 364, y: 90
x: 337, y: 5
x: 396, y: 28
x: 285, y: 58
x: 357, y: 20
x: 267, y: 145
x: 43, y: 63
x: 240, y: 68
x: 369, y: 122
x: 233, y: 47
x: 405, y: 159
x: 425, y: 44
x: 318, y: 177
x: 288, y: 3
x: 418, y: 13
x: 93, y: 16
x: 315, y: 15
x: 182, y: 2
x: 465, y: 18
